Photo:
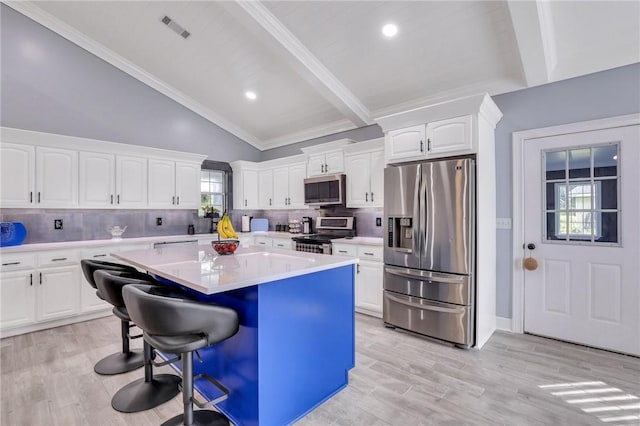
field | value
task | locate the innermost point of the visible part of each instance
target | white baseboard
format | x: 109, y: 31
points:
x: 503, y: 324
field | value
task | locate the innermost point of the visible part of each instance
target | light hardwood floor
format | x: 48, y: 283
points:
x: 47, y: 379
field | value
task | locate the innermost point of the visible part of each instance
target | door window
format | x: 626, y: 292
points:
x: 582, y: 194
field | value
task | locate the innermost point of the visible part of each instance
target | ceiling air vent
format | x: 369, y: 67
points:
x: 175, y: 27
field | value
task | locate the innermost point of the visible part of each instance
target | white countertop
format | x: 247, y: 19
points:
x: 99, y: 243
x: 202, y: 269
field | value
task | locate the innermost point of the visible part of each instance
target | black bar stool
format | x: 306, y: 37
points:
x: 181, y: 327
x: 127, y: 360
x: 152, y: 390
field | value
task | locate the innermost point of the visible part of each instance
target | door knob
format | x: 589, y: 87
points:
x: 531, y: 246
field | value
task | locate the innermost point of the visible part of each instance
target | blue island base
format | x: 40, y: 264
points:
x: 294, y: 349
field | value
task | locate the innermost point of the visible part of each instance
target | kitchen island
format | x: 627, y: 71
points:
x: 296, y: 341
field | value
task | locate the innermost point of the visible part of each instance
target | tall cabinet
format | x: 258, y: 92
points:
x: 461, y: 127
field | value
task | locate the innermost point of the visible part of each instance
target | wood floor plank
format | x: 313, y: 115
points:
x: 47, y: 378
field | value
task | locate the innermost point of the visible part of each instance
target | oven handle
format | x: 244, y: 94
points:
x: 457, y: 311
x: 408, y: 273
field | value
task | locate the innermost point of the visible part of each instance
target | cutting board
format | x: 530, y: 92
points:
x: 259, y: 225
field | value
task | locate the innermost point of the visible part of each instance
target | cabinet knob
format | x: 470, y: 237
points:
x: 118, y: 199
x: 178, y: 200
x: 111, y: 198
x: 366, y: 197
x: 326, y: 167
x: 428, y: 144
x: 421, y: 146
x: 372, y: 197
x: 38, y: 196
x: 31, y: 197
x: 322, y: 168
x: 173, y: 200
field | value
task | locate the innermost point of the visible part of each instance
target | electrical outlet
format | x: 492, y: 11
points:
x: 158, y: 221
x: 57, y: 223
x: 378, y: 221
x: 503, y: 223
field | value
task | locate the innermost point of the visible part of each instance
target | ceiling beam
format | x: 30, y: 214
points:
x: 324, y: 81
x: 533, y: 28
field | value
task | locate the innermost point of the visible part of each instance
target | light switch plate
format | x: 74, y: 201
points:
x: 503, y: 223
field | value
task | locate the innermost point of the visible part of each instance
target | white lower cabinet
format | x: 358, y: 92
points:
x: 17, y: 296
x: 369, y: 273
x: 89, y: 301
x: 284, y: 242
x: 57, y: 292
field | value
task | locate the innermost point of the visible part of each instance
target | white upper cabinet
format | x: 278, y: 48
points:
x: 17, y: 175
x: 288, y: 186
x: 364, y: 164
x: 450, y: 136
x: 326, y: 158
x: 131, y: 182
x: 187, y: 185
x: 162, y: 184
x: 326, y: 164
x: 297, y: 173
x: 245, y: 185
x: 265, y: 189
x: 44, y: 170
x: 56, y: 177
x: 97, y: 179
x: 406, y: 144
x: 174, y: 184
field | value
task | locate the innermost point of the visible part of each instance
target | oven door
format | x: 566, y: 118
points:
x: 444, y: 321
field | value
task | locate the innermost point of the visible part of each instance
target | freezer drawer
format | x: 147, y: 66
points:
x: 448, y: 288
x: 444, y: 321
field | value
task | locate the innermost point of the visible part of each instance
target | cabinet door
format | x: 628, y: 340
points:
x: 334, y: 162
x: 250, y: 189
x: 369, y: 287
x: 376, y: 198
x: 449, y: 136
x: 260, y: 240
x: 162, y: 184
x: 282, y: 243
x: 358, y: 179
x: 97, y: 179
x: 406, y: 144
x: 265, y: 189
x: 131, y: 182
x: 56, y: 177
x: 17, y: 175
x: 89, y: 302
x: 58, y: 292
x: 17, y: 301
x: 315, y: 166
x: 297, y: 173
x: 188, y: 185
x: 281, y: 187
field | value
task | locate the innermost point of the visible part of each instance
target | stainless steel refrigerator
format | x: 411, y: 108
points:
x: 429, y: 250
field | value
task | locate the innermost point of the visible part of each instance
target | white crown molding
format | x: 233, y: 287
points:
x: 534, y: 33
x: 327, y: 146
x: 53, y: 140
x: 360, y: 115
x: 312, y: 133
x: 59, y: 27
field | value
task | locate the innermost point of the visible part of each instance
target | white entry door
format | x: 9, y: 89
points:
x: 582, y: 213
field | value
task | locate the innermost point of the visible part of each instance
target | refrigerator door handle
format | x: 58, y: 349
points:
x: 417, y: 220
x: 408, y: 273
x: 457, y: 311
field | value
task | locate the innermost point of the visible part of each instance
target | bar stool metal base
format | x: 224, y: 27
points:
x: 119, y: 363
x: 143, y: 395
x: 200, y: 418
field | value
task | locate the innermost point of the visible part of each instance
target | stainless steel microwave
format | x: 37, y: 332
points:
x: 325, y: 190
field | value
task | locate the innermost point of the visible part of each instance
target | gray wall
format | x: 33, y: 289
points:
x: 51, y: 85
x: 600, y: 95
x: 362, y: 134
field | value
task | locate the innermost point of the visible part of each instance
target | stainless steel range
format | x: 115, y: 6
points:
x: 327, y: 228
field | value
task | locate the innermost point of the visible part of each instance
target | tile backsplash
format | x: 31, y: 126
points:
x: 81, y: 225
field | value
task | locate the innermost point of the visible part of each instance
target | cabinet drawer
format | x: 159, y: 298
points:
x: 345, y: 250
x: 370, y: 252
x: 17, y: 262
x: 58, y: 258
x: 263, y: 241
x: 283, y: 243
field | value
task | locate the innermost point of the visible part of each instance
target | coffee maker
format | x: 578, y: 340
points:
x: 306, y: 225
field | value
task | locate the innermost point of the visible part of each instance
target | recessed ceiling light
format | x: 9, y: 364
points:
x: 390, y: 30
x: 251, y: 95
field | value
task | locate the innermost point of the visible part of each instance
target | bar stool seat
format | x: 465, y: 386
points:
x: 182, y: 327
x: 127, y: 359
x: 154, y: 389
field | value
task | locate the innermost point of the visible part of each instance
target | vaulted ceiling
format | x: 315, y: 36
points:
x: 320, y: 67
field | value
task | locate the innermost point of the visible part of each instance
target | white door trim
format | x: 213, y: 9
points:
x: 519, y: 138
